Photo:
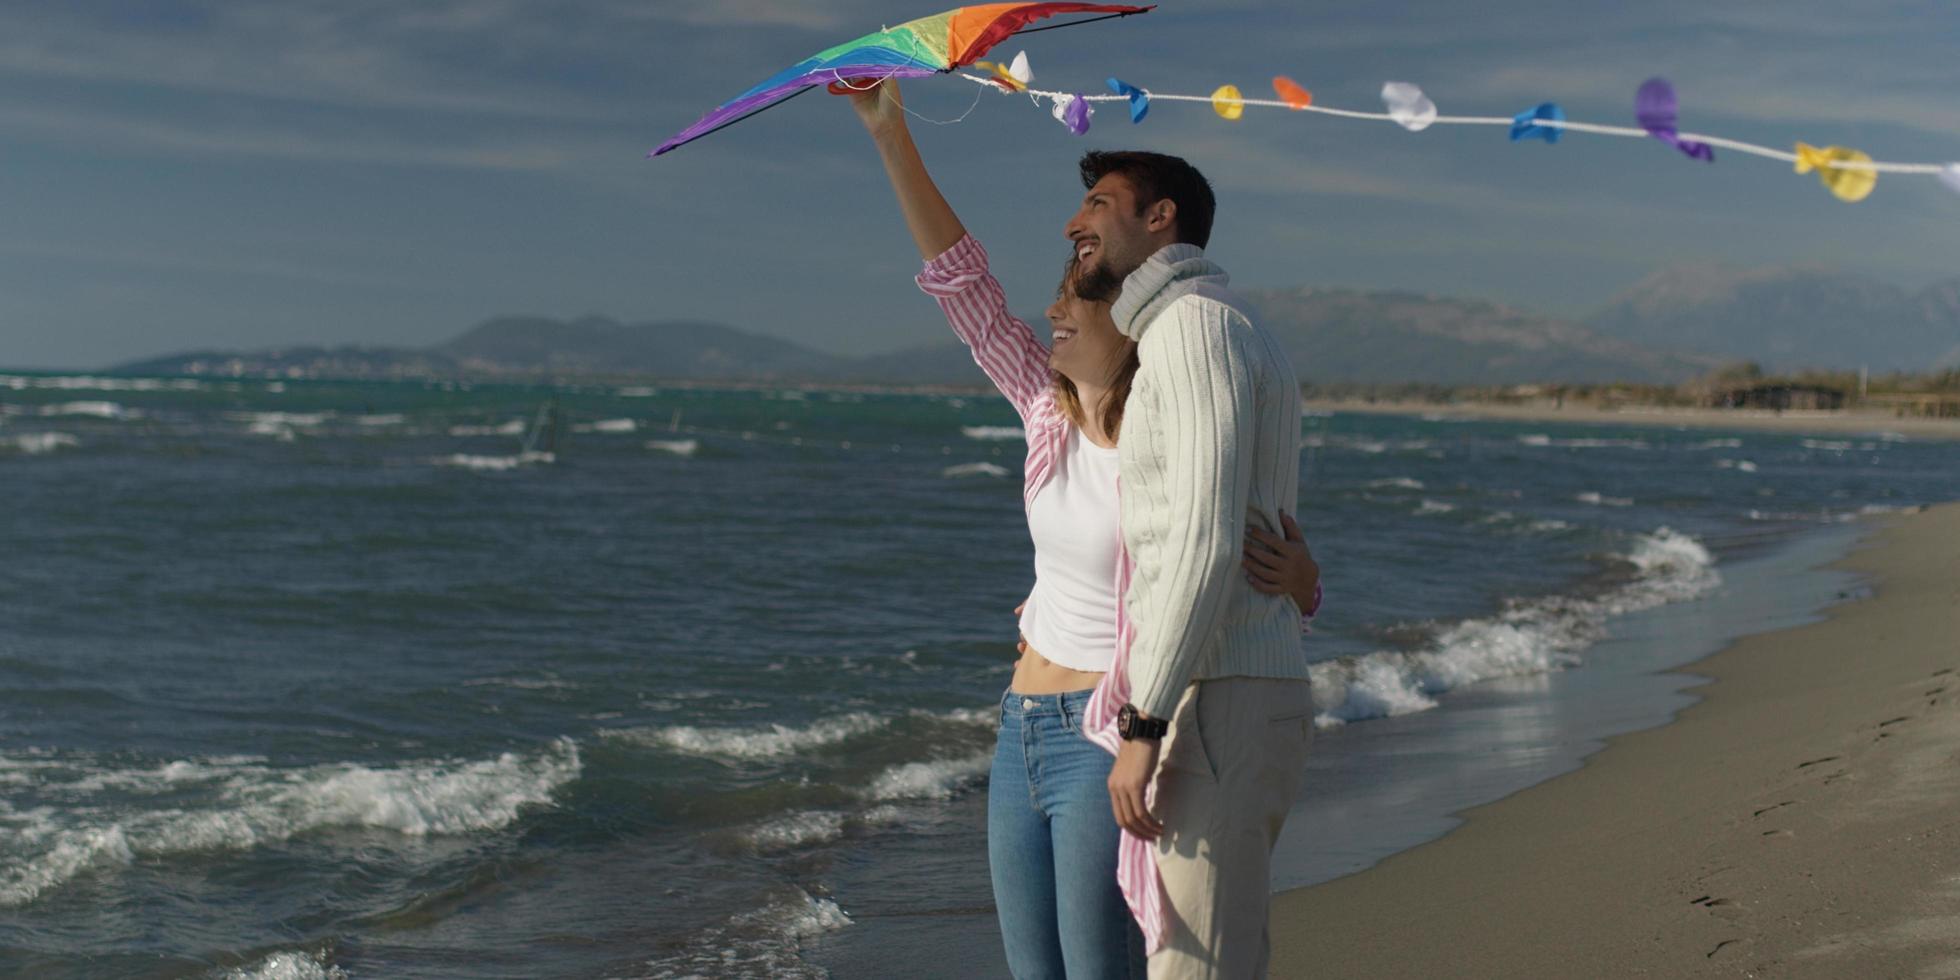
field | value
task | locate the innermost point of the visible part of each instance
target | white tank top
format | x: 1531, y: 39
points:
x: 1070, y: 617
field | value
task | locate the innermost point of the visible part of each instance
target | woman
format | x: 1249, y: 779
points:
x: 1051, y: 837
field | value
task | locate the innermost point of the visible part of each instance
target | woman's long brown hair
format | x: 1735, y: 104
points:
x: 1119, y: 389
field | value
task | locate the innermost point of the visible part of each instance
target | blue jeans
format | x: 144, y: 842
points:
x: 1051, y: 842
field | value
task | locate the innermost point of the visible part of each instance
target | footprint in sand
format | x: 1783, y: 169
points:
x: 1723, y: 907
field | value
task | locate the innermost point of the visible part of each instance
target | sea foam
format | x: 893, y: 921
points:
x: 794, y: 830
x: 609, y: 426
x: 39, y: 443
x: 469, y: 461
x: 1530, y: 636
x: 304, y: 420
x: 774, y: 741
x: 1598, y: 499
x: 1541, y: 440
x: 514, y: 427
x: 993, y: 433
x: 288, y: 966
x: 935, y: 780
x: 974, y: 469
x: 20, y: 382
x: 761, y: 943
x: 248, y: 804
x: 100, y: 410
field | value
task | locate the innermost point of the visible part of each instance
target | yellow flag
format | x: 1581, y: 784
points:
x: 1228, y: 102
x: 1848, y: 184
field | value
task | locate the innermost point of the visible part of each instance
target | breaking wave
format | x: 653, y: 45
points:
x: 762, y: 944
x: 249, y: 804
x: 469, y: 461
x: 974, y: 469
x: 1530, y: 636
x: 993, y: 433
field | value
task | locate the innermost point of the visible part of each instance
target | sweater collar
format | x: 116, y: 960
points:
x: 1175, y: 271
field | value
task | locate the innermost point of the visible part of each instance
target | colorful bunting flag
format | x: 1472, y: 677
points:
x: 1228, y: 102
x: 1656, y: 108
x: 1526, y: 125
x: 1410, y: 109
x: 1074, y: 111
x: 1290, y: 92
x: 1014, y: 77
x: 1848, y: 174
x: 1139, y: 99
x: 1850, y: 184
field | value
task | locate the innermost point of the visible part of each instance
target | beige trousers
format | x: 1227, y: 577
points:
x: 1230, y: 769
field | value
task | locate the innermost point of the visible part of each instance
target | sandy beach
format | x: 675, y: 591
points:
x: 1850, y: 422
x: 1798, y: 821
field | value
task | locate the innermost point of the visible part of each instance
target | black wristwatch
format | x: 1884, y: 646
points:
x: 1132, y: 725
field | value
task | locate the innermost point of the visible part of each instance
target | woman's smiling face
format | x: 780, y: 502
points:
x: 1087, y: 348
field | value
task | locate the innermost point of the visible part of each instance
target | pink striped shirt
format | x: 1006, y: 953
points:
x: 1006, y: 348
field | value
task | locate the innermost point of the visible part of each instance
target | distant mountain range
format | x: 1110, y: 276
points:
x: 1790, y: 318
x: 1675, y: 325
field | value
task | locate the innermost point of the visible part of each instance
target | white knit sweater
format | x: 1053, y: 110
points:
x: 1211, y: 440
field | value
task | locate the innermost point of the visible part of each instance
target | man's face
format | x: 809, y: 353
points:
x: 1112, y: 238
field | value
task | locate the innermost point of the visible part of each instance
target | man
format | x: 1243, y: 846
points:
x: 1211, y: 443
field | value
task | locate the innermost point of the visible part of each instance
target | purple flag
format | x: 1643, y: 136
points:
x: 1076, y: 116
x: 1657, y: 111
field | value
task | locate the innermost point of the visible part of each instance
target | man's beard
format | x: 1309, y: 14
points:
x: 1102, y: 282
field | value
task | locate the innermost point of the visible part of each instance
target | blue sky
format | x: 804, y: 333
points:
x: 177, y: 175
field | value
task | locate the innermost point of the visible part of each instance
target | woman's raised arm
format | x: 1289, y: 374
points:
x: 934, y: 226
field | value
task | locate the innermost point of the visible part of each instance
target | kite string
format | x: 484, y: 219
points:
x: 845, y: 82
x: 1506, y: 121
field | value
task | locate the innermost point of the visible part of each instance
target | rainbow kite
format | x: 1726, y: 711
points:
x: 927, y: 46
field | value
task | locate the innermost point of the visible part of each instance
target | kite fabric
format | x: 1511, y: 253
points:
x: 927, y: 46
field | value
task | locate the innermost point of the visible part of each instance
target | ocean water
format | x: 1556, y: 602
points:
x: 304, y: 679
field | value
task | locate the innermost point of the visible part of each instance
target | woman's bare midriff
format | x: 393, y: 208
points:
x: 1036, y: 674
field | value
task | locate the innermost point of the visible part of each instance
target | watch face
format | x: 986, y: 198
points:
x: 1126, y: 720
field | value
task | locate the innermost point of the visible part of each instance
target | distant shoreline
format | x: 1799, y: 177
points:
x: 1845, y: 422
x: 1848, y: 422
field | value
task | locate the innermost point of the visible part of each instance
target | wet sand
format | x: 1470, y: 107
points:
x: 1801, y: 820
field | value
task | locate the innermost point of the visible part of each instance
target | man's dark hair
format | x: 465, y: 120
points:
x: 1156, y: 177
